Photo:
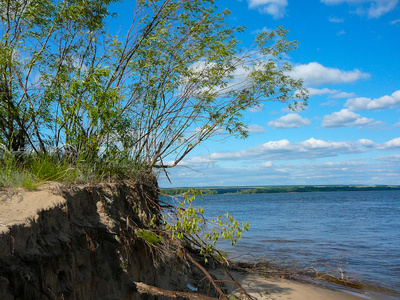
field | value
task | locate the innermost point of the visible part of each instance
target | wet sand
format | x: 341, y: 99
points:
x: 263, y: 288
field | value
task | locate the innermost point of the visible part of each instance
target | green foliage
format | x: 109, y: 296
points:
x: 189, y: 223
x: 181, y: 191
x: 228, y: 227
x: 152, y: 95
x: 149, y: 236
x: 12, y: 174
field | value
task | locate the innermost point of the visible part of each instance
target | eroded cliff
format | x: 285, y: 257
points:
x: 82, y: 242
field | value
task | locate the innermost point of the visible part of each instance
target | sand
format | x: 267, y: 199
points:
x: 18, y: 206
x: 262, y: 288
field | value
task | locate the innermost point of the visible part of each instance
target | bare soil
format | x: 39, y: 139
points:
x: 79, y: 242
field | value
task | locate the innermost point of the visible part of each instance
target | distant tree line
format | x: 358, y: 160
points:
x: 180, y: 191
x: 308, y: 189
x: 282, y: 189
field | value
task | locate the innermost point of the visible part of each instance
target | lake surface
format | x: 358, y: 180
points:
x: 358, y: 232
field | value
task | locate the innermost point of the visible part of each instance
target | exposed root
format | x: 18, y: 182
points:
x: 217, y: 288
x: 143, y: 288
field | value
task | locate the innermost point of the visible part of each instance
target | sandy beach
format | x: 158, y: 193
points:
x: 262, y: 288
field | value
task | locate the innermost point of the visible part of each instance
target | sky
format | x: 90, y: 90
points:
x: 349, y: 59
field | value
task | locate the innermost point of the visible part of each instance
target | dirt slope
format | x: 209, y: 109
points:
x: 70, y: 242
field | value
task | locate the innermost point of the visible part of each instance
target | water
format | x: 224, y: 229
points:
x: 356, y: 231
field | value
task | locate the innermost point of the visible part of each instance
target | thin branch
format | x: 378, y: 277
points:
x: 143, y: 288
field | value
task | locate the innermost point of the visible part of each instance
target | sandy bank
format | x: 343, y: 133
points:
x: 82, y: 242
x: 263, y: 288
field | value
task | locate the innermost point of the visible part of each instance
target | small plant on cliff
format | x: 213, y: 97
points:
x: 188, y: 224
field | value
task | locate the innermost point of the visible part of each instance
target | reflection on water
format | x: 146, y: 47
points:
x: 358, y: 231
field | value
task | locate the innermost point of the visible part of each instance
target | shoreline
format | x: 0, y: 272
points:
x: 275, y: 288
x: 273, y: 283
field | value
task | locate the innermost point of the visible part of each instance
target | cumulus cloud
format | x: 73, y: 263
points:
x: 329, y: 103
x: 316, y: 74
x: 267, y: 164
x: 283, y: 162
x: 255, y: 128
x: 336, y: 20
x: 264, y: 29
x: 392, y: 144
x: 367, y: 143
x: 308, y: 149
x: 373, y: 8
x: 347, y: 118
x: 381, y: 170
x: 289, y: 121
x: 385, y: 102
x: 275, y: 8
x: 284, y: 150
x: 318, y: 92
x: 331, y: 93
x: 344, y: 95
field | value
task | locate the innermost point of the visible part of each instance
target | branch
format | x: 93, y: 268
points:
x: 143, y: 288
x: 222, y: 294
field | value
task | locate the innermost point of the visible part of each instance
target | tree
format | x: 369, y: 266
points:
x: 175, y: 79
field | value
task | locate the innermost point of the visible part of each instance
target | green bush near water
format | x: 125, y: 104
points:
x: 144, y: 101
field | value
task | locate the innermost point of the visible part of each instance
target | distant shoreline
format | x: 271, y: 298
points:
x: 280, y: 189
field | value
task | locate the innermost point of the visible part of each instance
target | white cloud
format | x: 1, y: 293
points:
x: 395, y: 158
x: 394, y: 22
x: 374, y: 8
x: 392, y: 144
x: 195, y: 161
x: 347, y: 118
x: 332, y: 93
x: 316, y: 74
x: 255, y: 128
x: 275, y: 8
x: 318, y: 92
x: 385, y: 102
x: 380, y: 7
x: 336, y: 20
x: 341, y: 32
x: 284, y: 150
x: 264, y: 29
x: 283, y: 162
x: 367, y: 143
x: 267, y: 164
x: 381, y: 170
x: 344, y: 95
x: 329, y: 103
x: 397, y: 124
x: 289, y: 121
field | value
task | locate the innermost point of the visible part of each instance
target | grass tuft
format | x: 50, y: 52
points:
x: 32, y: 170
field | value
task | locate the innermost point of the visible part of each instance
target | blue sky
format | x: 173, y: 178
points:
x: 349, y: 58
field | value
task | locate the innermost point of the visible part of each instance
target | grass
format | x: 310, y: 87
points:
x: 31, y: 170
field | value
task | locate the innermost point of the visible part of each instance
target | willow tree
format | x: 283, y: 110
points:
x: 174, y: 79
